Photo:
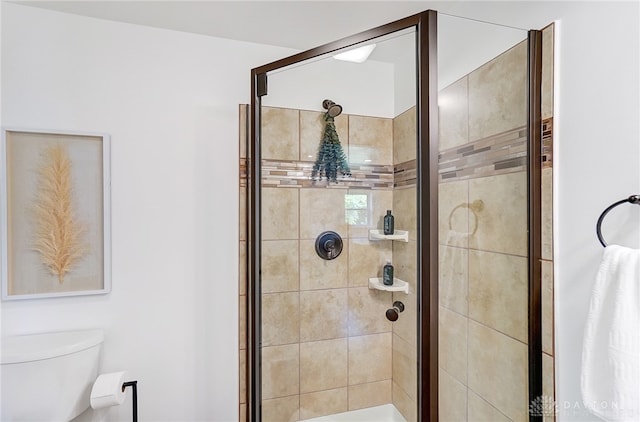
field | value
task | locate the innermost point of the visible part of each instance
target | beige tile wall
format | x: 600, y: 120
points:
x: 370, y: 140
x: 548, y: 351
x: 327, y: 346
x: 497, y: 94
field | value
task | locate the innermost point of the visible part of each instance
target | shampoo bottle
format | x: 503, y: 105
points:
x: 388, y: 223
x: 387, y: 274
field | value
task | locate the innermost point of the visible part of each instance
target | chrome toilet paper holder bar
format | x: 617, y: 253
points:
x: 134, y: 387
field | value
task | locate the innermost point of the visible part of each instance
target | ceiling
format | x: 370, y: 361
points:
x: 463, y: 45
x: 300, y: 25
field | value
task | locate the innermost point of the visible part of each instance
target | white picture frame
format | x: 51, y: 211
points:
x: 55, y: 214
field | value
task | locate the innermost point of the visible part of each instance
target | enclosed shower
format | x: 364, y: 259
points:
x: 440, y: 126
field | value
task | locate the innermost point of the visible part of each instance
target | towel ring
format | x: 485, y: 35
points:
x: 475, y: 206
x: 633, y: 199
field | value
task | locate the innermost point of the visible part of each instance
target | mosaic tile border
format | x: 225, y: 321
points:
x: 297, y: 174
x: 499, y: 154
x: 243, y: 172
x: 547, y: 143
x: 405, y: 174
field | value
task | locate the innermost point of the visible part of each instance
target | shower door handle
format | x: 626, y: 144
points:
x: 393, y: 313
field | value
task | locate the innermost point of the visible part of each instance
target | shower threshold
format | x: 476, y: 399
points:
x: 383, y: 413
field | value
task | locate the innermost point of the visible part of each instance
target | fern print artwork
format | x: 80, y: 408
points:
x: 58, y: 233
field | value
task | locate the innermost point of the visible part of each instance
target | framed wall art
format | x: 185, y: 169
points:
x: 55, y: 214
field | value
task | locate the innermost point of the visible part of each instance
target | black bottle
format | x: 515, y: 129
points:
x: 387, y: 274
x: 388, y: 223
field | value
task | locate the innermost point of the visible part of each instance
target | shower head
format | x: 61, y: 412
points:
x: 332, y: 108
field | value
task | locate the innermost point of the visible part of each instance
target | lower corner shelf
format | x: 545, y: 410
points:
x: 397, y: 286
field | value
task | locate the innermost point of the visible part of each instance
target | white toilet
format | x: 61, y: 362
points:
x: 48, y: 377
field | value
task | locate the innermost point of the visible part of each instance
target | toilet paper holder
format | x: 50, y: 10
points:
x: 134, y: 398
x: 109, y: 390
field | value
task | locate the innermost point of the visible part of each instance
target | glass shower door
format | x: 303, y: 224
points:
x: 334, y: 338
x: 483, y: 206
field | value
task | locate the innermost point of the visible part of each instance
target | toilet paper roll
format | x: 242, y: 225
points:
x: 107, y: 390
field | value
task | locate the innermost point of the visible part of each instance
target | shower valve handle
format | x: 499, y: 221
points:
x: 328, y: 245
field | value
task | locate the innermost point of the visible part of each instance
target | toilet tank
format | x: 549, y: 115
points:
x: 48, y: 376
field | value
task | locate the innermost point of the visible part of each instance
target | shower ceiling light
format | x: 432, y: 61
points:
x: 357, y: 55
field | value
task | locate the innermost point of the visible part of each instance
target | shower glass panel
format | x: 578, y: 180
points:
x: 483, y: 221
x: 327, y: 346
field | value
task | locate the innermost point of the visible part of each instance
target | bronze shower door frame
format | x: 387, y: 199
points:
x: 427, y: 149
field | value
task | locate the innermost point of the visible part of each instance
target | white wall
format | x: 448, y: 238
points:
x: 169, y: 100
x: 361, y: 88
x: 598, y: 150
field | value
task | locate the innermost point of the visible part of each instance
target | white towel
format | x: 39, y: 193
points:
x: 611, y: 349
x: 453, y: 289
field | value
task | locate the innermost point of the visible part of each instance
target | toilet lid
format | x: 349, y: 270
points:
x: 31, y: 347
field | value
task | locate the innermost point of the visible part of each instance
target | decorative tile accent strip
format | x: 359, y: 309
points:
x: 547, y: 143
x: 297, y: 174
x: 243, y: 172
x: 499, y: 154
x: 404, y: 174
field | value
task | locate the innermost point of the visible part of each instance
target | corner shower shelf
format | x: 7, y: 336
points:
x: 402, y: 235
x: 397, y: 286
